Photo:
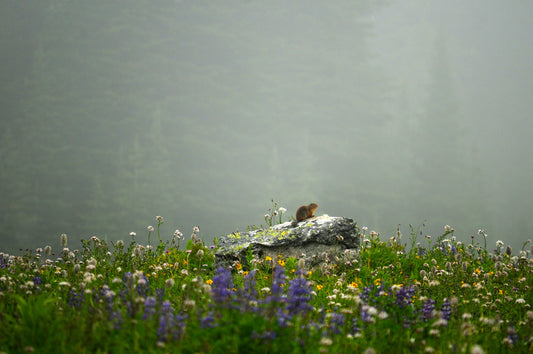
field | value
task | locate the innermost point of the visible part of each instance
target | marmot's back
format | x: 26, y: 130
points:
x: 306, y: 212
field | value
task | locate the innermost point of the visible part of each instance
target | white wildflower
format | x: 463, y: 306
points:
x: 466, y: 316
x: 89, y: 277
x: 326, y: 341
x: 382, y: 315
x: 476, y: 349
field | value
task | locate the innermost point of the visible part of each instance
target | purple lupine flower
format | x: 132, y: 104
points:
x: 143, y: 286
x: 128, y: 280
x: 283, y: 318
x: 108, y: 296
x: 179, y: 328
x: 221, y: 287
x: 149, y: 308
x: 404, y: 296
x: 130, y: 308
x: 512, y: 336
x: 166, y: 321
x: 365, y: 294
x: 354, y: 328
x: 276, y: 290
x: 116, y: 318
x: 248, y: 294
x: 37, y: 280
x: 124, y: 297
x: 446, y: 309
x: 278, y: 280
x: 365, y: 315
x: 208, y: 321
x: 427, y: 309
x: 160, y: 294
x: 267, y: 335
x: 75, y: 299
x: 249, y: 285
x: 336, y: 323
x: 299, y: 296
x: 443, y: 248
x: 454, y: 250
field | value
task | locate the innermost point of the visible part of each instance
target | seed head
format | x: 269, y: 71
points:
x: 63, y: 240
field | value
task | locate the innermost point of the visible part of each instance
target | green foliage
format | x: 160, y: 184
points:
x: 113, y: 298
x: 33, y: 319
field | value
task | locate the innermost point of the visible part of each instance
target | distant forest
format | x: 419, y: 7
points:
x: 114, y: 112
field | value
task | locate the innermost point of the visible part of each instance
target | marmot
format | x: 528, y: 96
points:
x: 304, y: 212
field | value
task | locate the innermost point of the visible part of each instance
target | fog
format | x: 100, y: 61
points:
x: 393, y: 113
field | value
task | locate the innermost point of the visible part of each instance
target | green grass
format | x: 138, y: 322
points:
x: 443, y: 296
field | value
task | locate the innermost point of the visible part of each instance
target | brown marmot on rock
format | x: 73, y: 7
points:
x: 304, y: 212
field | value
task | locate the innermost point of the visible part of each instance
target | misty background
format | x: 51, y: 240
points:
x: 388, y: 112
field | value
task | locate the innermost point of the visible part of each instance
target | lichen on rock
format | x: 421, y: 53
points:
x: 315, y: 240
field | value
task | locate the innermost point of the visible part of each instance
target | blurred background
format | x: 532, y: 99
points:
x: 388, y: 112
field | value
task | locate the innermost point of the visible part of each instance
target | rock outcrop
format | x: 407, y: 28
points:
x: 316, y: 240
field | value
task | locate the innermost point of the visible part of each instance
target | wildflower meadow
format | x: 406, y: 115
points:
x: 440, y: 295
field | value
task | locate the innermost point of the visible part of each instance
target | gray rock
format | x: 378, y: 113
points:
x: 319, y: 240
